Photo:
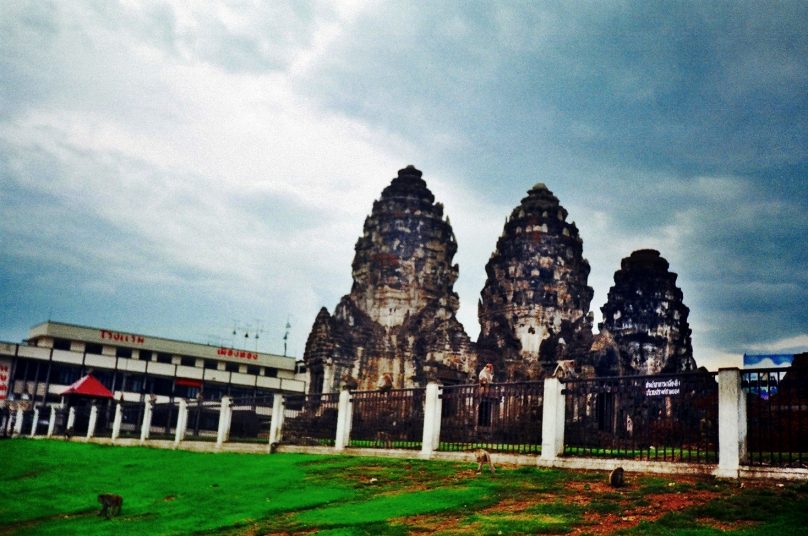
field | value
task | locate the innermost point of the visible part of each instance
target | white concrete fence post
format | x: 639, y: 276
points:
x: 71, y: 419
x: 432, y: 416
x: 553, y: 415
x: 116, y: 423
x: 145, y: 428
x: 223, y: 432
x: 52, y: 421
x: 35, y: 422
x: 18, y: 422
x: 731, y: 423
x: 92, y: 422
x: 344, y: 420
x: 276, y: 424
x: 182, y: 422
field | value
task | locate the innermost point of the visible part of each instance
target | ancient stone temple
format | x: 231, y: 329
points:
x: 400, y: 316
x: 534, y: 307
x: 645, y: 318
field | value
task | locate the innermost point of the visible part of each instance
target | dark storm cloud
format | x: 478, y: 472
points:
x: 253, y: 138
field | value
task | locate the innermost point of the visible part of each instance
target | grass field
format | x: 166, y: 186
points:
x: 50, y: 487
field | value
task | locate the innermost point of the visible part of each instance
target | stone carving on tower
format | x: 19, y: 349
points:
x: 534, y: 307
x: 400, y: 316
x: 646, y: 319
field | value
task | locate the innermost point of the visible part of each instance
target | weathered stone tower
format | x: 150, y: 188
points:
x: 534, y: 307
x: 646, y: 318
x: 400, y: 314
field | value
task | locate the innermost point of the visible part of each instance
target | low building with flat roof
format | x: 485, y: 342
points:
x: 134, y: 366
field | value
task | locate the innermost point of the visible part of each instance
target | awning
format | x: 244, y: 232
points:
x: 88, y: 386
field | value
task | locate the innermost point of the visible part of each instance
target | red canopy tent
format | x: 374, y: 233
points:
x: 88, y: 386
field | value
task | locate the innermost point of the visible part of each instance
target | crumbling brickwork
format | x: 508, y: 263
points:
x: 400, y: 316
x: 646, y: 318
x: 534, y: 307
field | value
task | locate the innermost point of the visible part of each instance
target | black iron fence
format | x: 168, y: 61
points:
x: 777, y: 416
x: 131, y: 419
x: 250, y: 419
x: 504, y: 417
x: 391, y: 419
x: 203, y: 420
x: 310, y: 419
x: 81, y: 419
x: 164, y: 420
x: 658, y: 418
x: 106, y: 418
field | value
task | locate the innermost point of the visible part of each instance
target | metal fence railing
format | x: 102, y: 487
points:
x: 659, y: 418
x: 131, y: 419
x: 777, y: 416
x: 310, y: 419
x: 391, y: 419
x: 250, y: 419
x: 504, y: 417
x: 106, y: 418
x: 203, y: 420
x: 164, y: 420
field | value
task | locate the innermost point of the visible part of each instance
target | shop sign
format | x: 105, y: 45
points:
x: 121, y: 337
x: 241, y: 354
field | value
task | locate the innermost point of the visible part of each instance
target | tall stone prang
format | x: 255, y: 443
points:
x: 400, y: 316
x: 646, y: 317
x: 534, y: 307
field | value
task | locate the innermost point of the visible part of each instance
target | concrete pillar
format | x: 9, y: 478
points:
x: 432, y: 416
x: 731, y: 423
x: 71, y: 419
x: 145, y: 427
x: 223, y: 433
x: 553, y: 415
x: 34, y: 422
x: 52, y: 421
x: 344, y: 419
x: 18, y: 423
x: 182, y: 422
x: 92, y: 422
x: 328, y: 377
x: 116, y: 423
x: 276, y: 424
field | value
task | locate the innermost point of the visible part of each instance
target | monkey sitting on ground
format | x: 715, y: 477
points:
x: 110, y: 504
x: 483, y: 457
x: 617, y: 478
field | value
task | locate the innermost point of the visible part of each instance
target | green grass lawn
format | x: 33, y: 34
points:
x: 50, y: 487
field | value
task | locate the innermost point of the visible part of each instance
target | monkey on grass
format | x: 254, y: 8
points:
x: 483, y: 457
x: 617, y: 478
x: 110, y: 504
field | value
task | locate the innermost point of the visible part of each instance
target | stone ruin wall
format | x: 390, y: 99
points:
x: 400, y: 316
x: 534, y: 307
x: 534, y: 310
x: 646, y: 317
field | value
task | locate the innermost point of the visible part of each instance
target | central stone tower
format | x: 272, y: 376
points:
x: 534, y: 307
x: 400, y: 316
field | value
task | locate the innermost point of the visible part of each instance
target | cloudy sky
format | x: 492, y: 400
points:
x: 177, y: 169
